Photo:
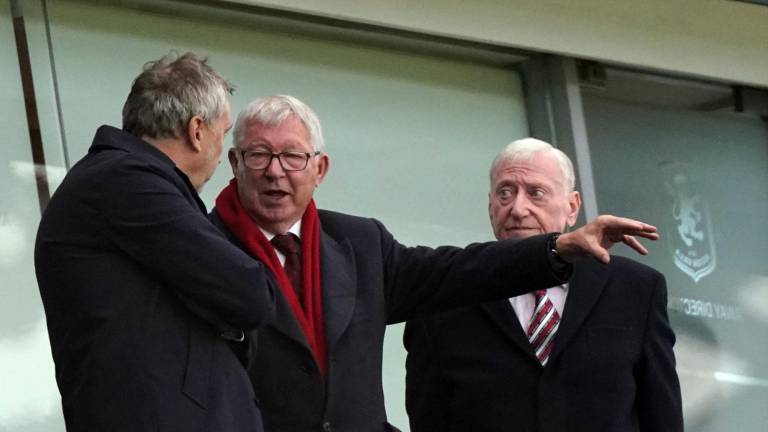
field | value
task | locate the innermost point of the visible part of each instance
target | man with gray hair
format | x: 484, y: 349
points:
x: 140, y: 290
x: 343, y: 278
x: 593, y: 354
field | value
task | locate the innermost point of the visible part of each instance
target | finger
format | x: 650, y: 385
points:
x: 647, y: 235
x: 603, y: 256
x: 635, y: 244
x: 621, y: 235
x: 599, y: 251
x: 629, y: 225
x: 649, y: 228
x: 626, y: 226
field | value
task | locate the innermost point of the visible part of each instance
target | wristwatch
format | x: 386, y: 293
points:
x: 552, y: 245
x: 560, y: 267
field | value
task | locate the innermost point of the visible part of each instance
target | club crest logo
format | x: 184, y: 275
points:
x: 690, y: 235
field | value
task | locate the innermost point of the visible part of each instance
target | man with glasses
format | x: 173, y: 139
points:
x: 343, y: 278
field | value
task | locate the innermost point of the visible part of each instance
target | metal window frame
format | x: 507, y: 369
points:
x: 556, y: 115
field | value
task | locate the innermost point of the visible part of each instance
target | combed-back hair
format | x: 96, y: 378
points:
x: 172, y: 90
x: 273, y: 111
x: 525, y: 149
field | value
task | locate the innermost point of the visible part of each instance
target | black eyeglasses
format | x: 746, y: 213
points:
x: 289, y: 161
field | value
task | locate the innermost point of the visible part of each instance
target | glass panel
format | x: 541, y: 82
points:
x: 28, y: 394
x: 376, y: 105
x: 410, y: 136
x: 672, y: 158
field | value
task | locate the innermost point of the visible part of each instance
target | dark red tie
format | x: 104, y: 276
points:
x: 290, y: 246
x: 544, y: 324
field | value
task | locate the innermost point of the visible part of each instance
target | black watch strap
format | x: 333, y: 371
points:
x: 560, y: 267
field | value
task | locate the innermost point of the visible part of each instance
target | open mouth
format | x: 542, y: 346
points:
x: 276, y: 193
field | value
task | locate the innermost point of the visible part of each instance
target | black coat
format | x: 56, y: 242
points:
x: 124, y: 236
x: 370, y: 280
x: 612, y: 367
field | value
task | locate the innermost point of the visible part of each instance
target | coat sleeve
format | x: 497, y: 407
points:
x: 148, y: 219
x: 421, y: 280
x: 427, y: 393
x: 659, y: 402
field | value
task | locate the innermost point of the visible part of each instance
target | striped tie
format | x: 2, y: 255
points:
x: 541, y: 330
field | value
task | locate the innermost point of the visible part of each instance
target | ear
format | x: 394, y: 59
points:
x: 574, y: 204
x: 195, y: 129
x: 323, y: 163
x: 490, y: 215
x: 232, y: 155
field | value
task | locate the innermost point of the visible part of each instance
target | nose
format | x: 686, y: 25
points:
x: 520, y: 206
x: 274, y: 169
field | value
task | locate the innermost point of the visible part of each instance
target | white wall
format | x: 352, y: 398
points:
x: 714, y: 39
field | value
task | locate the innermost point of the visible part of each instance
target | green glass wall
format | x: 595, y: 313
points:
x: 410, y: 135
x: 29, y: 400
x: 702, y: 178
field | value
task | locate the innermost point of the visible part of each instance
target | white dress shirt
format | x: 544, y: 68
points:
x: 524, y: 305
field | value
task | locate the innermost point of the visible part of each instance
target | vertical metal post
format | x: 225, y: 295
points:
x: 538, y: 99
x: 578, y: 135
x: 30, y: 104
x: 555, y: 114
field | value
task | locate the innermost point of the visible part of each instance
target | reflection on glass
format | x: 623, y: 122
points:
x: 427, y: 108
x: 702, y: 178
x: 29, y: 399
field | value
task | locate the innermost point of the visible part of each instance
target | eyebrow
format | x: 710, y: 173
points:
x: 292, y: 145
x: 526, y: 184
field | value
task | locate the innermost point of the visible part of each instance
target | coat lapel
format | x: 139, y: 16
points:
x: 286, y: 323
x: 587, y: 284
x: 339, y: 282
x: 502, y: 314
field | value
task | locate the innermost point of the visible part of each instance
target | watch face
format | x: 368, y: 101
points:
x: 553, y: 243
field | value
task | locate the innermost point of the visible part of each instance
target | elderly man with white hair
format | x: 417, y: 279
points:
x: 592, y: 354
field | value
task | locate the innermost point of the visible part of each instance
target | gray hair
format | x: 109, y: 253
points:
x: 274, y: 110
x: 169, y: 92
x: 525, y: 149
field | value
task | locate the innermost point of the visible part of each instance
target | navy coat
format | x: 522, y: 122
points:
x: 611, y: 369
x: 122, y: 247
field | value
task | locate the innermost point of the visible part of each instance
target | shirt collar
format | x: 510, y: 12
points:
x: 295, y: 229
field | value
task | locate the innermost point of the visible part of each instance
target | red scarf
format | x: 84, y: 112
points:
x: 310, y: 314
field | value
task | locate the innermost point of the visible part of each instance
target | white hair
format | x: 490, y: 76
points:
x: 274, y: 110
x: 525, y: 149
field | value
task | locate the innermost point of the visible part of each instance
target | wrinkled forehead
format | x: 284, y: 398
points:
x: 248, y: 124
x: 290, y: 129
x: 538, y: 169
